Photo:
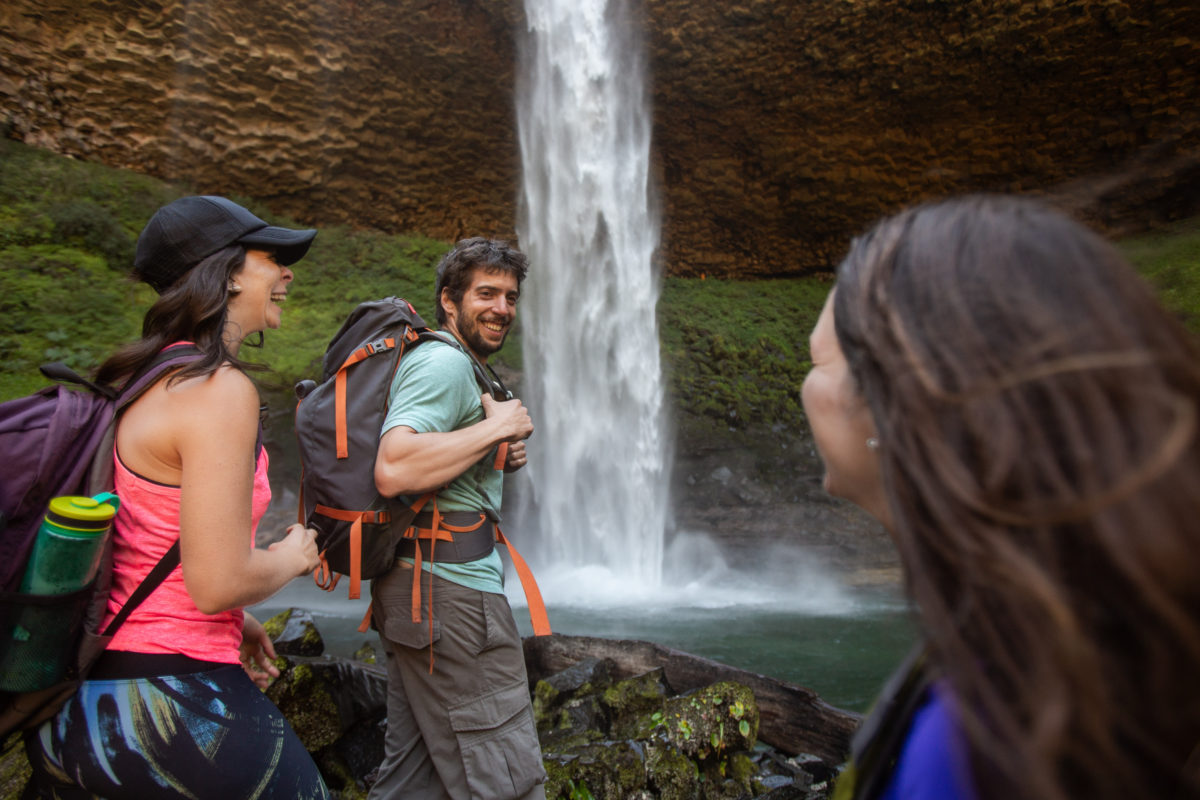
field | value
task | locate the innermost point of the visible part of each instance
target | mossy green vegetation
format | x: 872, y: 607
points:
x: 1170, y: 260
x: 68, y: 231
x: 67, y: 235
x: 734, y: 352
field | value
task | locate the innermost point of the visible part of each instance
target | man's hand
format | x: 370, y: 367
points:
x: 512, y: 416
x: 515, y: 459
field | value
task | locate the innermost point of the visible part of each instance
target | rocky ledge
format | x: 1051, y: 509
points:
x: 616, y: 719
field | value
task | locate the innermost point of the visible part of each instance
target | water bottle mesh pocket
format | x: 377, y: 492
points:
x: 38, y: 637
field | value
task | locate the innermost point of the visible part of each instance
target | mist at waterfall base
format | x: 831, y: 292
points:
x: 789, y: 618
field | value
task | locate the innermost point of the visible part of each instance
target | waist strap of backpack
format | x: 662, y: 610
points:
x: 438, y: 530
x: 461, y: 537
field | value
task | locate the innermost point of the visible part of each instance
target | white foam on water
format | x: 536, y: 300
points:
x: 696, y: 577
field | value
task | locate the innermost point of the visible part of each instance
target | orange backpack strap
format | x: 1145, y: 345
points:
x: 533, y: 595
x: 366, y: 620
x: 501, y: 455
x: 342, y: 437
x: 324, y: 577
x: 356, y: 520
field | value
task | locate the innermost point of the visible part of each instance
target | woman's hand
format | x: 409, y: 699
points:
x: 257, y: 652
x: 300, y: 543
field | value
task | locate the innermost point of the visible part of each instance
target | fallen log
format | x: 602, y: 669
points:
x: 793, y: 719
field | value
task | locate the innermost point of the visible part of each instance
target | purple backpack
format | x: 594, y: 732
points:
x: 55, y: 442
x: 50, y: 445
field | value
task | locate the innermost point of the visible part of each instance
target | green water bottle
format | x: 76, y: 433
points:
x: 66, y: 553
x: 38, y: 632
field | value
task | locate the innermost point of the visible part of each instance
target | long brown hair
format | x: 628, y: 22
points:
x: 193, y: 309
x: 1037, y: 414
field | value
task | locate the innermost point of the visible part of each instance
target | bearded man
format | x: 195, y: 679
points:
x: 459, y: 721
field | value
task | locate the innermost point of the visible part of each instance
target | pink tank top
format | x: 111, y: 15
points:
x: 167, y: 621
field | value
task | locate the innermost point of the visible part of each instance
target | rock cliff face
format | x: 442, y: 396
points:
x: 781, y: 128
x: 395, y: 115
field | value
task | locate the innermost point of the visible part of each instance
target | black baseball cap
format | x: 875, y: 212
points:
x: 183, y: 233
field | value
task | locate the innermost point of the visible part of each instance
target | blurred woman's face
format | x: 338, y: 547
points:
x: 841, y: 422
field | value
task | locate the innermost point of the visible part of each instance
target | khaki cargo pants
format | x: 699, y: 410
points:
x: 465, y: 732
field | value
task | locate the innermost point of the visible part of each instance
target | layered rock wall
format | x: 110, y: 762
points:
x: 392, y: 115
x: 784, y: 127
x: 781, y: 128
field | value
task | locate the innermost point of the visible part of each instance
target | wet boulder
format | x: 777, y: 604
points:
x: 337, y: 707
x: 294, y: 633
x: 708, y: 722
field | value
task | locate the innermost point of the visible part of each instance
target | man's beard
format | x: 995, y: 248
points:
x: 469, y: 332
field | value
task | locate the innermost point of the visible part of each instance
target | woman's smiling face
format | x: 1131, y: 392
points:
x: 841, y: 422
x: 264, y: 286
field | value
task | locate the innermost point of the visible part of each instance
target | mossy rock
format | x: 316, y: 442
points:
x: 294, y: 633
x: 710, y: 722
x: 14, y: 768
x: 345, y: 763
x: 672, y: 774
x: 338, y: 776
x: 606, y: 769
x: 579, y: 722
x: 545, y: 703
x: 632, y: 703
x: 366, y: 654
x: 740, y: 767
x: 306, y: 702
x: 553, y: 692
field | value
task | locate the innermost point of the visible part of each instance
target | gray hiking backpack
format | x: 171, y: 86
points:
x: 338, y: 421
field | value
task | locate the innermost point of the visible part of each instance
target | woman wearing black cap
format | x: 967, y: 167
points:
x: 172, y: 708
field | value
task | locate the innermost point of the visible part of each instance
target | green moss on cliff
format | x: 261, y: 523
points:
x: 736, y: 352
x: 1170, y: 260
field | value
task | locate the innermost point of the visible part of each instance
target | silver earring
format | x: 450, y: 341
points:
x: 872, y: 443
x: 234, y: 288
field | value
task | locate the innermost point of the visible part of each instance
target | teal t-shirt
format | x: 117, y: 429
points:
x: 434, y: 390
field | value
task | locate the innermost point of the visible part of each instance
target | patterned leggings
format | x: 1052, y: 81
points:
x: 203, y: 735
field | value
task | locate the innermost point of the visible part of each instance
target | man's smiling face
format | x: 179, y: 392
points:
x: 485, y: 315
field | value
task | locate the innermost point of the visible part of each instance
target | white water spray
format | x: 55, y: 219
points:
x: 596, y: 493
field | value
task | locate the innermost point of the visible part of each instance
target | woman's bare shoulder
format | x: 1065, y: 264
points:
x: 225, y: 394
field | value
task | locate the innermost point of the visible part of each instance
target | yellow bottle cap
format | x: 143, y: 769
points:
x: 83, y: 509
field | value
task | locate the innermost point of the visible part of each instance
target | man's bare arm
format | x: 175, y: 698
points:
x: 414, y: 463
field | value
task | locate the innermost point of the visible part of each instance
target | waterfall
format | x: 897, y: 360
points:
x: 595, y: 493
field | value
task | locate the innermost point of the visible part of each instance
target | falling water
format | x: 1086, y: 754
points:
x: 596, y: 486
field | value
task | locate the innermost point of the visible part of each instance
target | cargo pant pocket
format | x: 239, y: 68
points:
x: 415, y: 635
x: 499, y: 744
x: 391, y: 614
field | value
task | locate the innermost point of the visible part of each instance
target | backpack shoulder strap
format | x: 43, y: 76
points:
x: 168, y: 358
x: 156, y: 576
x: 877, y: 743
x: 100, y: 471
x: 488, y: 380
x: 485, y: 376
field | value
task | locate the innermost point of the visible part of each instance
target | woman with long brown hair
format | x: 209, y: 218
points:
x: 994, y: 383
x: 172, y: 708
